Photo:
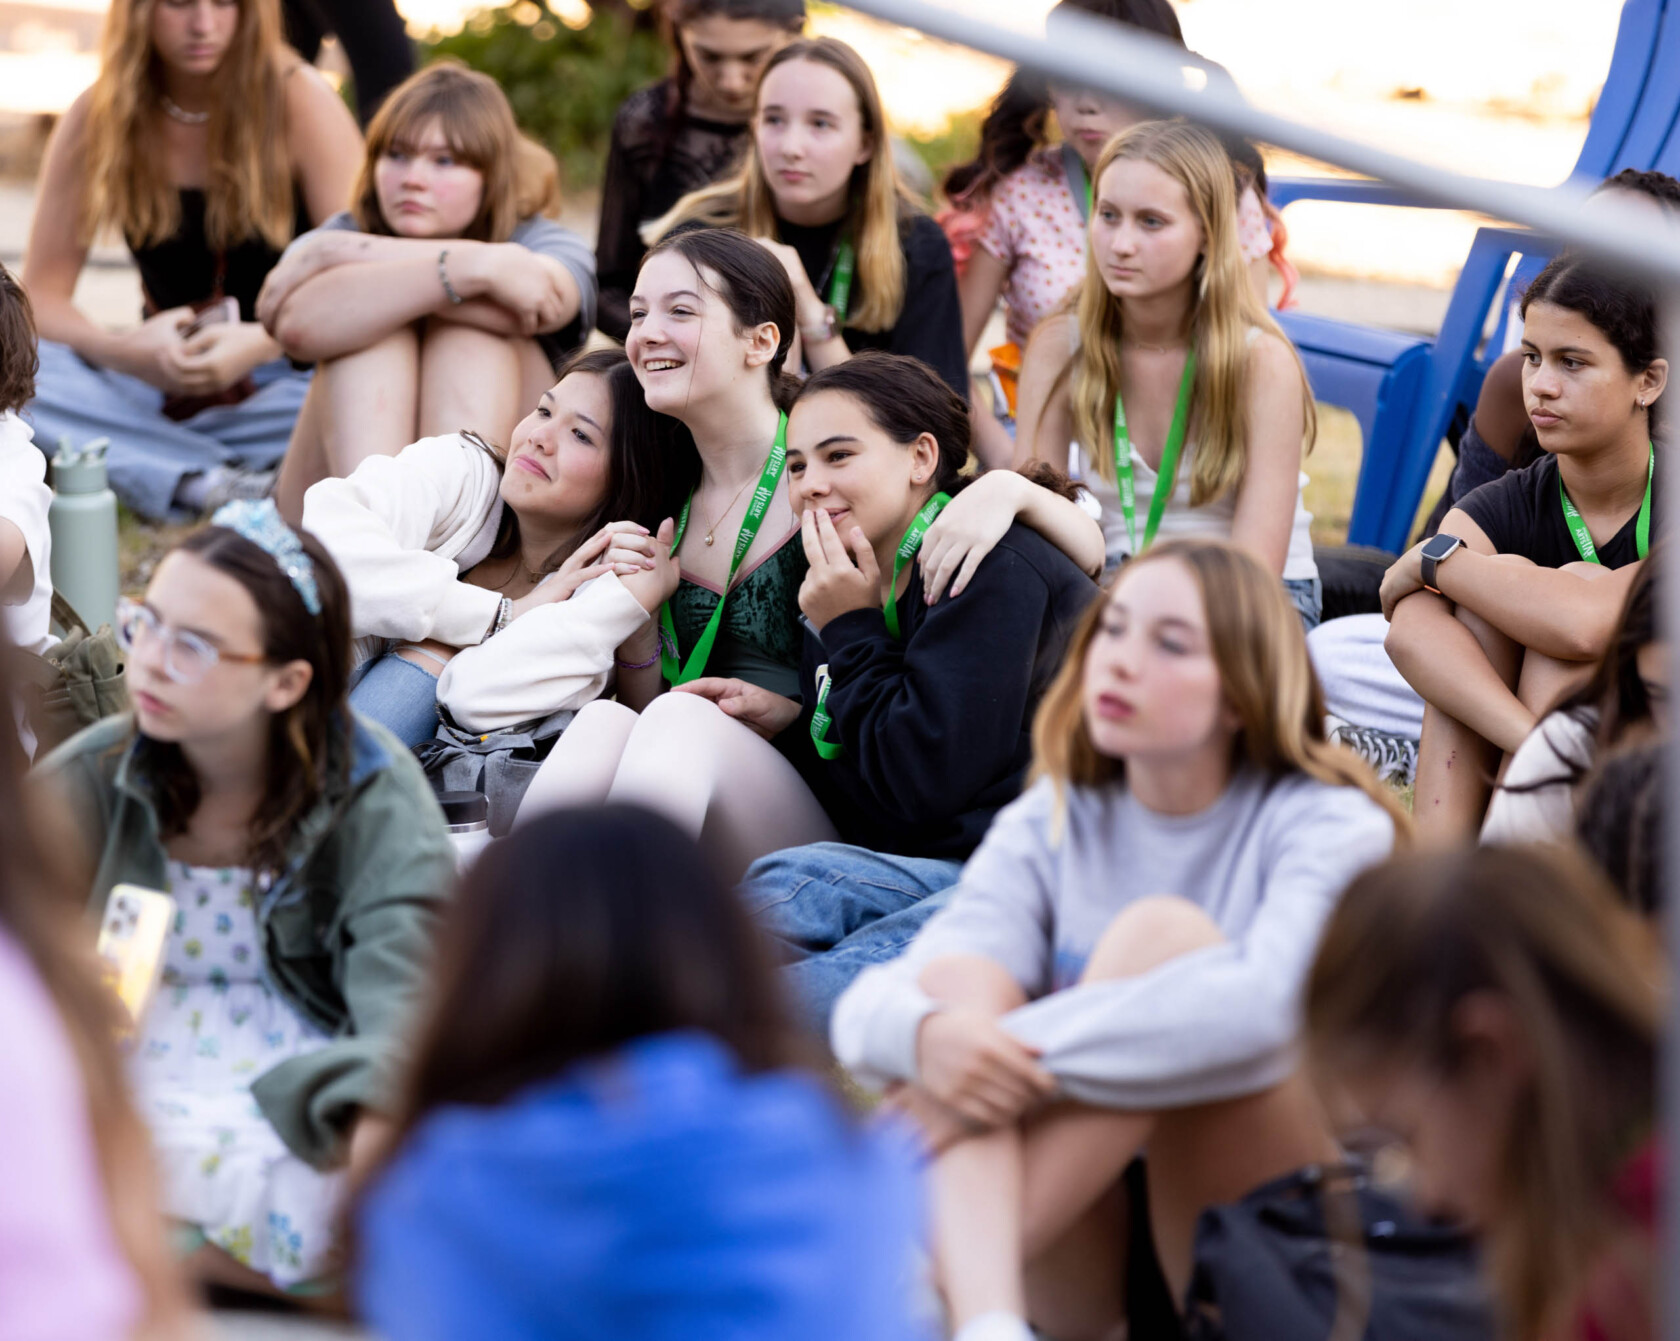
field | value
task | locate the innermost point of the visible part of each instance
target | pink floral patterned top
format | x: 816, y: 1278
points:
x: 1036, y: 229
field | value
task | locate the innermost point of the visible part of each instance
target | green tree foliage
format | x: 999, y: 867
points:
x: 565, y: 83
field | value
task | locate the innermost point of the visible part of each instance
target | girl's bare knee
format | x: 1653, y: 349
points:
x: 1149, y: 932
x: 972, y: 982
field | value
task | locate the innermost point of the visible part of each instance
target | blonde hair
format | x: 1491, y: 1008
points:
x: 1225, y: 309
x: 248, y: 192
x: 1264, y: 672
x: 521, y: 178
x: 1538, y: 926
x: 879, y: 202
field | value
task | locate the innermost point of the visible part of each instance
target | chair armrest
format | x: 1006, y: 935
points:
x: 1283, y: 191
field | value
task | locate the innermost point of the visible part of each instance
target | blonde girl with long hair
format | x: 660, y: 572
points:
x: 445, y: 296
x: 1169, y: 366
x: 869, y: 269
x: 1499, y: 1011
x: 206, y: 143
x: 1119, y: 964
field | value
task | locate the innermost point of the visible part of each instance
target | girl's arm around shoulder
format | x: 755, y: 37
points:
x: 975, y: 521
x: 322, y: 143
x: 1275, y: 423
x: 1003, y: 908
x: 553, y: 657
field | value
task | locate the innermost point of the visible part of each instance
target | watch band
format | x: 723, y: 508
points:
x: 1430, y: 564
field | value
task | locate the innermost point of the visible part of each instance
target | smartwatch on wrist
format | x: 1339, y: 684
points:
x: 1436, y: 551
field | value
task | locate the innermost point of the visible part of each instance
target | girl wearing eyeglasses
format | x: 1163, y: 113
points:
x: 307, y: 860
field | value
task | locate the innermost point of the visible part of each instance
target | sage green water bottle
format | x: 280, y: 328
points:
x: 83, y: 522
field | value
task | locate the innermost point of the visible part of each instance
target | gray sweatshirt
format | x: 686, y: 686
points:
x: 1267, y: 862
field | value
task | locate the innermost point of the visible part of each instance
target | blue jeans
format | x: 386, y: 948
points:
x: 832, y: 910
x: 149, y: 453
x: 1306, y: 594
x: 400, y: 696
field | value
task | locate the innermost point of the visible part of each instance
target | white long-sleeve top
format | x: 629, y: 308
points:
x: 1267, y: 862
x: 403, y: 529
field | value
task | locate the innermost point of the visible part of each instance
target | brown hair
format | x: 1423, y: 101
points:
x: 19, y: 358
x: 1264, y: 672
x: 248, y: 191
x: 879, y: 203
x: 521, y: 178
x: 39, y: 910
x: 308, y: 738
x: 1411, y: 939
x: 535, y: 976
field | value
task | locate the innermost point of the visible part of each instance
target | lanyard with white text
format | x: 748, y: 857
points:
x: 768, y: 479
x: 1578, y: 528
x: 889, y: 609
x: 840, y: 288
x: 1166, y: 476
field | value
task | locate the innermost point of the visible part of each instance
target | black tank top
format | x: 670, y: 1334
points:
x: 181, y: 270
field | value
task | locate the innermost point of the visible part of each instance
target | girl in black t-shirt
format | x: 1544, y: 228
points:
x: 818, y: 187
x: 1531, y: 570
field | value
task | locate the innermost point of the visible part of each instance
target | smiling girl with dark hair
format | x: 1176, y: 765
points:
x: 307, y: 859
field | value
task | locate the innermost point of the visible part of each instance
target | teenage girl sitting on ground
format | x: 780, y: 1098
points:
x: 818, y: 186
x: 711, y: 327
x: 207, y: 144
x: 1188, y: 405
x: 1118, y: 967
x: 445, y: 296
x: 472, y: 569
x: 913, y: 720
x: 307, y: 859
x: 1527, y: 575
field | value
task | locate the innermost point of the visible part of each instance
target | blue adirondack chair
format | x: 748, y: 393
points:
x: 1404, y: 389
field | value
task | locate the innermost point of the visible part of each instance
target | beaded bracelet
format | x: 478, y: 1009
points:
x: 637, y: 665
x: 443, y: 278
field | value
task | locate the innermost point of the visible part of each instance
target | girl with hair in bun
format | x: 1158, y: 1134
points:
x: 307, y: 860
x: 446, y: 296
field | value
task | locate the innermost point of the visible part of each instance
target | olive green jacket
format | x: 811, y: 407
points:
x: 346, y: 927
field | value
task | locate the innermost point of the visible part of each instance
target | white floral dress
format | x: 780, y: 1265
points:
x: 213, y: 1028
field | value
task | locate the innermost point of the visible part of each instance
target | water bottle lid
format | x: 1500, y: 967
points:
x: 80, y: 470
x: 463, y: 808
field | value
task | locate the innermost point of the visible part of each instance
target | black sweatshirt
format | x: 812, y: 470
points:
x: 937, y: 727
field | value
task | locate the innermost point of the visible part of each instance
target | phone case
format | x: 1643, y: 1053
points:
x: 132, y: 936
x: 214, y: 313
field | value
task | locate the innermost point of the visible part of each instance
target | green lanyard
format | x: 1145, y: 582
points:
x: 768, y: 479
x: 889, y: 609
x: 1166, y: 478
x: 1578, y: 528
x: 840, y: 287
x: 1073, y: 168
